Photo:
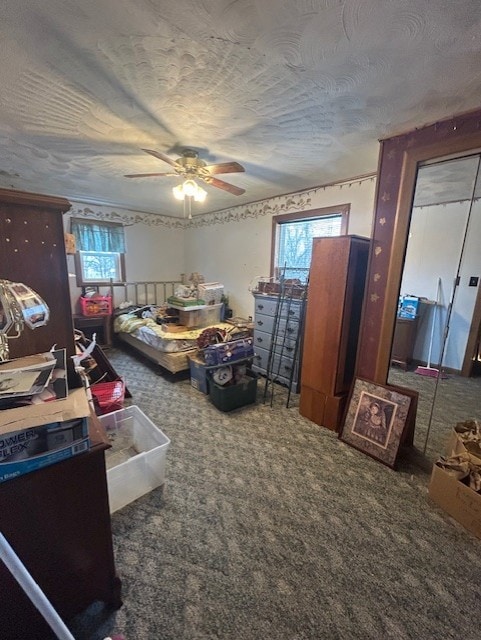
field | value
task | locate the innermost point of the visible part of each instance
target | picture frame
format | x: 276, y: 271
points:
x: 408, y: 434
x: 376, y: 420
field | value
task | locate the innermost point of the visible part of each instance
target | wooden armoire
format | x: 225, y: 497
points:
x: 333, y: 314
x: 32, y: 251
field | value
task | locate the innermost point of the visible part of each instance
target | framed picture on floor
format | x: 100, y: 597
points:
x: 375, y: 421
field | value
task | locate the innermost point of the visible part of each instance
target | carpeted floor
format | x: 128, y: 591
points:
x: 442, y: 403
x: 269, y: 527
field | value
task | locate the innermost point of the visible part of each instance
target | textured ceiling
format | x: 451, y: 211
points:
x: 297, y: 91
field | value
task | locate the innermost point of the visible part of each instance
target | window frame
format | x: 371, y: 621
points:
x: 297, y: 216
x: 95, y: 283
x: 78, y: 261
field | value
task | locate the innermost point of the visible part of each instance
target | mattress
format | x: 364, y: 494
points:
x: 156, y: 336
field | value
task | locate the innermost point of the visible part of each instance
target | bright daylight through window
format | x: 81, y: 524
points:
x: 101, y: 249
x: 293, y: 239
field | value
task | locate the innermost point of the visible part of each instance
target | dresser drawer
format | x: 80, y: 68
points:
x: 286, y: 326
x: 268, y: 307
x: 281, y: 367
x: 285, y: 344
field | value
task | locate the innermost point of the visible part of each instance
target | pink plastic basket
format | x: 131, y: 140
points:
x: 96, y: 306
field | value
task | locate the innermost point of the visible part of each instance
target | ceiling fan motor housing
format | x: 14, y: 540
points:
x: 190, y: 161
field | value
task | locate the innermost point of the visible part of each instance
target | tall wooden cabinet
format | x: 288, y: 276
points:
x: 32, y: 251
x: 334, y: 304
x: 57, y: 518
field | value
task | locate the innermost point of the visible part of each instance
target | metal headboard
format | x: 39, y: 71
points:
x: 142, y: 293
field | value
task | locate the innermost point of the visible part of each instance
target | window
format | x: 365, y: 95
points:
x: 292, y: 235
x: 100, y: 251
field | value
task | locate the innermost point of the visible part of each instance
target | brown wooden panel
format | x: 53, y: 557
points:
x: 32, y: 251
x: 325, y: 304
x: 57, y: 520
x: 312, y: 404
x: 325, y: 410
x: 335, y: 294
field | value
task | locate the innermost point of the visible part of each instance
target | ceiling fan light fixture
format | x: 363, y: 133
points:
x: 189, y: 189
x: 178, y: 192
x: 201, y: 194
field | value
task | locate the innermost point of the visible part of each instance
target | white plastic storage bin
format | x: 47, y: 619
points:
x: 136, y: 461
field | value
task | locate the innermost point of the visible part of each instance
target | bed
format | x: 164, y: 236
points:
x: 134, y: 324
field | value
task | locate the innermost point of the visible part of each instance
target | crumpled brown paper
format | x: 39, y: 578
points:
x: 469, y: 430
x: 462, y: 468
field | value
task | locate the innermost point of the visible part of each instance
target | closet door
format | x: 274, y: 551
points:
x: 32, y: 251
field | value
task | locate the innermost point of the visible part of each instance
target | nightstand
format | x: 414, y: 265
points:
x: 101, y: 325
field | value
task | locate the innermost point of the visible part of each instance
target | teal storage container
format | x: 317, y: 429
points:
x: 236, y: 395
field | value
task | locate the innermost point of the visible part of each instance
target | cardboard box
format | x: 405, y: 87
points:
x: 39, y: 435
x: 198, y: 374
x: 457, y: 499
x: 211, y: 292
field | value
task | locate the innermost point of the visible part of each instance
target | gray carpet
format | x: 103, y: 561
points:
x: 442, y: 403
x: 269, y: 527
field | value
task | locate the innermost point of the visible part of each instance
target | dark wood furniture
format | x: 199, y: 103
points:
x: 32, y: 250
x: 334, y: 303
x: 101, y: 325
x: 403, y: 341
x: 56, y: 519
x: 58, y: 522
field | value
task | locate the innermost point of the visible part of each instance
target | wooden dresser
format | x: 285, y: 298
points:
x: 333, y: 314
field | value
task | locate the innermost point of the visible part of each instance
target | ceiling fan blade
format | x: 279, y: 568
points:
x: 220, y: 184
x: 147, y: 175
x: 224, y: 167
x: 161, y: 156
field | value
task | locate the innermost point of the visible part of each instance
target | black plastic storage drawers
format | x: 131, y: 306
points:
x: 235, y: 395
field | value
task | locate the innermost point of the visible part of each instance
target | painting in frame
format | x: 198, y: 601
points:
x: 376, y: 419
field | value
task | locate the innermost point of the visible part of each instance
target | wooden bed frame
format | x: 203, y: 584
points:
x: 174, y: 362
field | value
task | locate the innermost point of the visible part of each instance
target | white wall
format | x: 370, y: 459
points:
x: 155, y: 245
x: 434, y: 249
x: 234, y: 246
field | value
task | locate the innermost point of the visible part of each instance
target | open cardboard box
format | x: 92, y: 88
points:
x: 456, y: 498
x: 37, y: 435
